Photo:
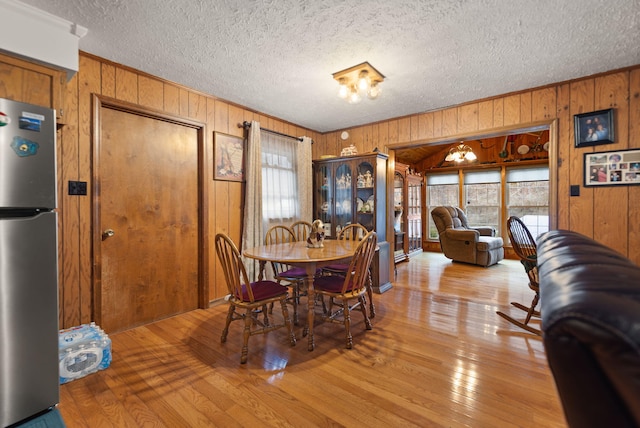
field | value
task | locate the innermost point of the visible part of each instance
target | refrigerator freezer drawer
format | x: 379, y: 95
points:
x: 28, y: 316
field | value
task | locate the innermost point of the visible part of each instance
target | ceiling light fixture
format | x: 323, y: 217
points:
x: 460, y: 153
x: 356, y: 81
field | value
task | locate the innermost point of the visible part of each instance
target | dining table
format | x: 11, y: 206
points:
x: 311, y: 259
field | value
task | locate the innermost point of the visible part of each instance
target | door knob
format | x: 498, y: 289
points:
x: 107, y: 234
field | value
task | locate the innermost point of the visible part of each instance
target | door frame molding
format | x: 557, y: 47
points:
x: 99, y: 102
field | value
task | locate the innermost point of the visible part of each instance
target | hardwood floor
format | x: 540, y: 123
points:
x: 438, y: 356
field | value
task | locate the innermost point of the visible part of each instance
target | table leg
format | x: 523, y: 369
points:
x: 311, y: 301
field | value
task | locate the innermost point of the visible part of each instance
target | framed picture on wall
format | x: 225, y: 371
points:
x: 595, y: 128
x: 228, y: 157
x: 615, y: 168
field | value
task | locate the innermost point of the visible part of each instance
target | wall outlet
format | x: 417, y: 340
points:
x: 77, y: 187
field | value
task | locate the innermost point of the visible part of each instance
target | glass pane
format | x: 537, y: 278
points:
x: 482, y: 205
x: 529, y: 201
x: 344, y: 197
x: 437, y: 195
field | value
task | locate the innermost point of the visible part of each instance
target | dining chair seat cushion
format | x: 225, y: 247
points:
x: 332, y: 284
x: 263, y: 290
x: 294, y: 272
x: 342, y: 267
x: 298, y: 272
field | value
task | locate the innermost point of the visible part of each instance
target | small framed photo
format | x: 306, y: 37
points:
x: 615, y: 168
x: 228, y: 157
x: 595, y: 128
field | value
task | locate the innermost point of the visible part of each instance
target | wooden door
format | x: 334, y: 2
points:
x: 147, y: 185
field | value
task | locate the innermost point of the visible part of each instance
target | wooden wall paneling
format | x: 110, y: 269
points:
x: 126, y: 85
x: 404, y: 129
x: 393, y: 132
x: 414, y: 127
x: 37, y: 88
x: 525, y: 107
x: 512, y: 110
x: 425, y: 126
x: 468, y: 118
x: 611, y: 204
x: 215, y: 274
x: 11, y: 78
x: 171, y: 100
x: 367, y: 139
x: 498, y: 112
x: 236, y: 116
x: 69, y: 212
x: 437, y: 123
x: 634, y: 143
x: 150, y: 93
x: 183, y: 100
x: 197, y: 107
x: 89, y: 83
x: 565, y: 119
x: 580, y: 208
x: 108, y: 80
x: 383, y: 136
x: 450, y: 121
x: 543, y: 104
x: 355, y: 138
x: 485, y: 115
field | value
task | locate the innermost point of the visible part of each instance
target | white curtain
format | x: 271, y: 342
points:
x: 305, y: 180
x: 278, y: 185
x: 253, y: 228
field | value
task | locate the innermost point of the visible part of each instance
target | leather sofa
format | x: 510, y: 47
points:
x: 590, y: 306
x: 462, y: 243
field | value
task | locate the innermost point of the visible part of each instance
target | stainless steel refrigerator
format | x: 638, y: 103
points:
x: 29, y: 382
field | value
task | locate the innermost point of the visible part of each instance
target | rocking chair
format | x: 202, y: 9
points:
x: 525, y: 248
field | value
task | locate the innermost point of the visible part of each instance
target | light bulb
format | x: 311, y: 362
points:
x: 354, y: 97
x: 343, y: 89
x: 374, y: 91
x: 364, y: 81
x: 470, y: 156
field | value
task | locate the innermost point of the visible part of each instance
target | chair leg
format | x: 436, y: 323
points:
x: 225, y: 330
x: 245, y: 336
x: 530, y: 312
x: 363, y: 308
x: 287, y: 322
x: 347, y: 323
x: 372, y: 309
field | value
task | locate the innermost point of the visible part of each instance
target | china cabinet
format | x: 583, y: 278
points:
x: 408, y: 212
x: 352, y: 189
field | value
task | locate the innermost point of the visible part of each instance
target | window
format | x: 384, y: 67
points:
x: 482, y: 198
x: 525, y: 189
x: 280, y: 202
x: 527, y: 194
x: 442, y: 189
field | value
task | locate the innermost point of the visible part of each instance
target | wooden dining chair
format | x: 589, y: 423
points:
x: 352, y: 232
x: 250, y: 297
x: 341, y: 290
x: 301, y: 229
x: 526, y: 249
x: 290, y: 276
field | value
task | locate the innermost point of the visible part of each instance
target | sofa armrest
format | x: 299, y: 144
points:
x: 462, y: 234
x: 485, y: 230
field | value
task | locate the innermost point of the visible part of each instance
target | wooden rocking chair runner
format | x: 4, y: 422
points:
x: 341, y: 290
x: 250, y: 297
x: 526, y: 249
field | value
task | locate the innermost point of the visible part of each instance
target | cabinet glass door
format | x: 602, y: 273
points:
x: 324, y: 193
x: 343, y: 198
x: 365, y: 195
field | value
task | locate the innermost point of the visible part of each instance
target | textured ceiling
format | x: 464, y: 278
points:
x: 277, y: 56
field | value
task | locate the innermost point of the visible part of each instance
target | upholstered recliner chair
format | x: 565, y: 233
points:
x: 461, y: 243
